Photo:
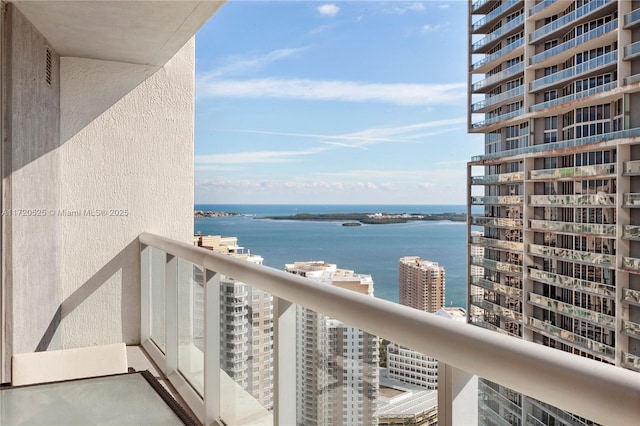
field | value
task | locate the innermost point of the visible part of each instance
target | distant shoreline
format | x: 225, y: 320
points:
x: 372, y: 218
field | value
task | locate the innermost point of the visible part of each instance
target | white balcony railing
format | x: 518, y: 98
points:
x: 549, y: 375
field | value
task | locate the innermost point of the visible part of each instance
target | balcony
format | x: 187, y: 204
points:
x: 495, y: 243
x: 561, y: 77
x: 496, y: 265
x: 478, y: 26
x: 497, y: 100
x: 498, y: 199
x: 496, y: 222
x: 631, y: 51
x: 483, y: 45
x: 631, y: 264
x: 485, y: 324
x: 496, y: 287
x: 561, y: 144
x: 573, y: 228
x: 632, y: 19
x: 572, y: 283
x: 631, y: 296
x: 481, y: 6
x: 574, y: 96
x: 499, y: 178
x: 571, y: 338
x: 573, y: 255
x: 596, y: 200
x: 494, y: 79
x: 496, y: 309
x: 497, y: 119
x: 609, y: 27
x: 572, y: 311
x: 631, y: 200
x: 631, y: 168
x: 503, y: 54
x: 630, y: 361
x: 631, y: 328
x: 570, y: 172
x: 540, y: 6
x: 541, y: 372
x: 565, y: 21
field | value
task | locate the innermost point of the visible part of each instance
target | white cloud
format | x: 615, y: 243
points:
x: 251, y: 62
x: 444, y: 6
x: 328, y: 9
x: 406, y: 7
x: 428, y: 28
x: 255, y: 157
x: 347, y: 91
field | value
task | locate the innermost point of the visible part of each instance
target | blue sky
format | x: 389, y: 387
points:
x: 333, y: 103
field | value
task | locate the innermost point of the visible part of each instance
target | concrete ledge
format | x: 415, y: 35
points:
x: 67, y: 364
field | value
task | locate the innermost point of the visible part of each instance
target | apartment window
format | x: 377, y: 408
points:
x: 550, y: 129
x: 550, y: 95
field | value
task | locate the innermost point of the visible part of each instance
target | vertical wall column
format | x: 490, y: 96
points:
x: 457, y: 396
x: 284, y: 359
x: 623, y: 186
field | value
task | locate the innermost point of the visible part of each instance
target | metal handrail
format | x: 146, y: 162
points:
x: 556, y: 377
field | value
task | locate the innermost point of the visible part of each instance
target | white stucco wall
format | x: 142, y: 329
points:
x: 126, y: 152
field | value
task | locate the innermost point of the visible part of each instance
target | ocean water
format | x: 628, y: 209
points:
x: 366, y: 249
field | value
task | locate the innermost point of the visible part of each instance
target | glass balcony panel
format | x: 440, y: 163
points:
x: 561, y: 144
x: 492, y: 57
x: 487, y: 393
x: 579, y: 256
x: 497, y: 99
x: 631, y: 296
x: 496, y: 222
x: 575, y: 96
x: 631, y: 328
x: 492, y: 242
x: 478, y: 4
x: 631, y: 263
x: 631, y: 232
x: 484, y: 324
x: 632, y: 79
x: 573, y: 200
x: 497, y: 118
x: 567, y: 19
x: 519, y: 20
x: 631, y: 361
x: 158, y: 298
x: 573, y: 311
x: 599, y: 348
x: 572, y: 283
x: 505, y: 199
x: 570, y: 44
x: 494, y: 14
x: 567, y: 73
x: 632, y: 18
x: 538, y: 7
x: 496, y: 287
x: 567, y: 172
x: 494, y: 78
x: 631, y: 168
x: 577, y: 228
x: 631, y: 50
x: 190, y: 284
x: 496, y: 265
x: 631, y: 200
x: 496, y: 309
x: 499, y: 178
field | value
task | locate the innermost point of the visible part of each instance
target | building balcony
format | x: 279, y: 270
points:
x: 499, y: 178
x: 549, y: 330
x: 497, y: 100
x: 631, y: 168
x: 495, y: 287
x: 495, y: 243
x: 571, y: 283
x: 572, y: 311
x: 482, y: 6
x: 631, y: 200
x: 609, y: 28
x: 496, y: 265
x: 632, y: 19
x: 580, y: 14
x: 631, y: 51
x: 631, y: 264
x: 497, y: 199
x: 631, y: 296
x: 631, y: 328
x: 630, y: 361
x: 596, y: 200
x: 631, y: 232
x: 499, y: 310
x: 541, y: 6
x: 485, y: 44
x: 489, y: 19
x: 496, y: 222
x: 497, y: 119
x: 598, y: 64
x: 494, y: 79
x: 569, y: 143
x: 607, y: 230
x: 573, y: 255
x: 573, y: 172
x: 487, y: 325
x: 510, y: 51
x: 574, y: 96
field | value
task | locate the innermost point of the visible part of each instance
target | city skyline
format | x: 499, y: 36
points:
x: 342, y: 103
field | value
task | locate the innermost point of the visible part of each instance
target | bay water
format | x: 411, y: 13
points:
x: 367, y: 249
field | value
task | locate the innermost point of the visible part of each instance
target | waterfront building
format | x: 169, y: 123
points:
x: 246, y: 323
x: 336, y: 364
x: 555, y: 89
x: 421, y: 284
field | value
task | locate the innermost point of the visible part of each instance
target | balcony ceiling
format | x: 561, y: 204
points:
x: 138, y: 32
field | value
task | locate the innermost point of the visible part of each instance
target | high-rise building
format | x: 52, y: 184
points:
x: 246, y: 324
x: 337, y: 365
x: 422, y: 284
x: 554, y: 88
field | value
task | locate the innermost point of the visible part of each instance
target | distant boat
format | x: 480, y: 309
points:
x: 352, y: 224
